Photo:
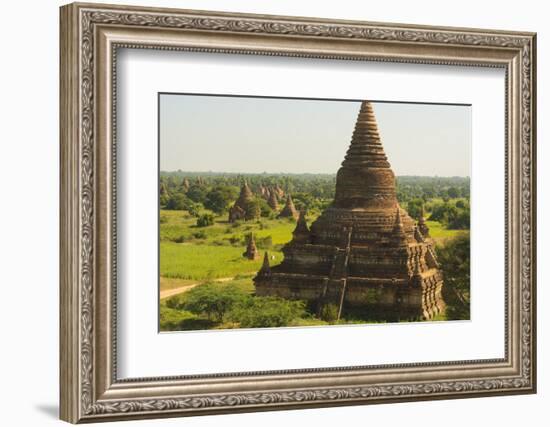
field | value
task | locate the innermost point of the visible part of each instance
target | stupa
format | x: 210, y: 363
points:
x: 251, y: 251
x: 242, y: 209
x: 422, y: 226
x: 272, y: 202
x: 289, y: 211
x: 364, y: 254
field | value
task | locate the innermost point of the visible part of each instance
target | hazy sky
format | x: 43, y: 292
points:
x: 255, y: 135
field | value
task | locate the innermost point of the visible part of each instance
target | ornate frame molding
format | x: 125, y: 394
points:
x: 90, y: 35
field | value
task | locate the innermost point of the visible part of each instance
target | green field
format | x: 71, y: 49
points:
x: 439, y: 233
x: 203, y: 262
x: 180, y: 227
x: 203, y: 253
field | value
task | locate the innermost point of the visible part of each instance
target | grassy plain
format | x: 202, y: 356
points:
x: 192, y: 253
x: 439, y: 233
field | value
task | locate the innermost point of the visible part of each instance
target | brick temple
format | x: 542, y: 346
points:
x: 364, y: 254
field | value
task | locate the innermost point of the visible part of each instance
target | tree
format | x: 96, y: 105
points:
x: 303, y: 201
x: 197, y: 193
x: 213, y: 300
x: 454, y: 258
x: 438, y: 211
x: 265, y: 210
x: 266, y: 312
x: 453, y: 192
x: 180, y: 202
x: 414, y: 208
x: 252, y: 209
x: 177, y: 202
x: 219, y: 198
x: 460, y: 220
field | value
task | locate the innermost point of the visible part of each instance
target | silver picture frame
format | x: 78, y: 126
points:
x: 90, y: 37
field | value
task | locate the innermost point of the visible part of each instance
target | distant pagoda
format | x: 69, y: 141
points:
x: 279, y: 191
x: 272, y: 201
x: 289, y: 211
x: 251, y: 249
x: 243, y: 209
x: 422, y: 226
x: 364, y: 254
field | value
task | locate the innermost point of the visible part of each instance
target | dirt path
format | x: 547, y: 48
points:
x: 175, y: 291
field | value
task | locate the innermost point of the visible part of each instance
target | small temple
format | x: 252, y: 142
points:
x: 364, y: 254
x: 241, y: 209
x: 422, y: 226
x: 251, y: 252
x: 289, y: 211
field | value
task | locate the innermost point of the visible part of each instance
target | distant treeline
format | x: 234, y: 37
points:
x: 320, y: 186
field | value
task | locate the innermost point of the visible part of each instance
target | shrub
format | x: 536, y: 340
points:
x: 180, y: 239
x: 205, y: 220
x: 266, y: 312
x: 200, y: 235
x: 329, y: 313
x: 264, y: 242
x: 235, y: 240
x: 173, y: 319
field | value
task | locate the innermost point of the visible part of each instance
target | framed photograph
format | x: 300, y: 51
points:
x: 266, y: 212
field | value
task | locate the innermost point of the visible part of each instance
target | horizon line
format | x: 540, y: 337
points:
x: 298, y: 173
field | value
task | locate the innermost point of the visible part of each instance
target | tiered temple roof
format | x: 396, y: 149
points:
x: 363, y: 254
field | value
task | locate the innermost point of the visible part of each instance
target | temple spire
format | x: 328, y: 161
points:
x: 366, y: 148
x: 398, y: 233
x: 398, y: 225
x: 365, y: 179
x: 422, y: 226
x: 265, y: 270
x: 301, y: 232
